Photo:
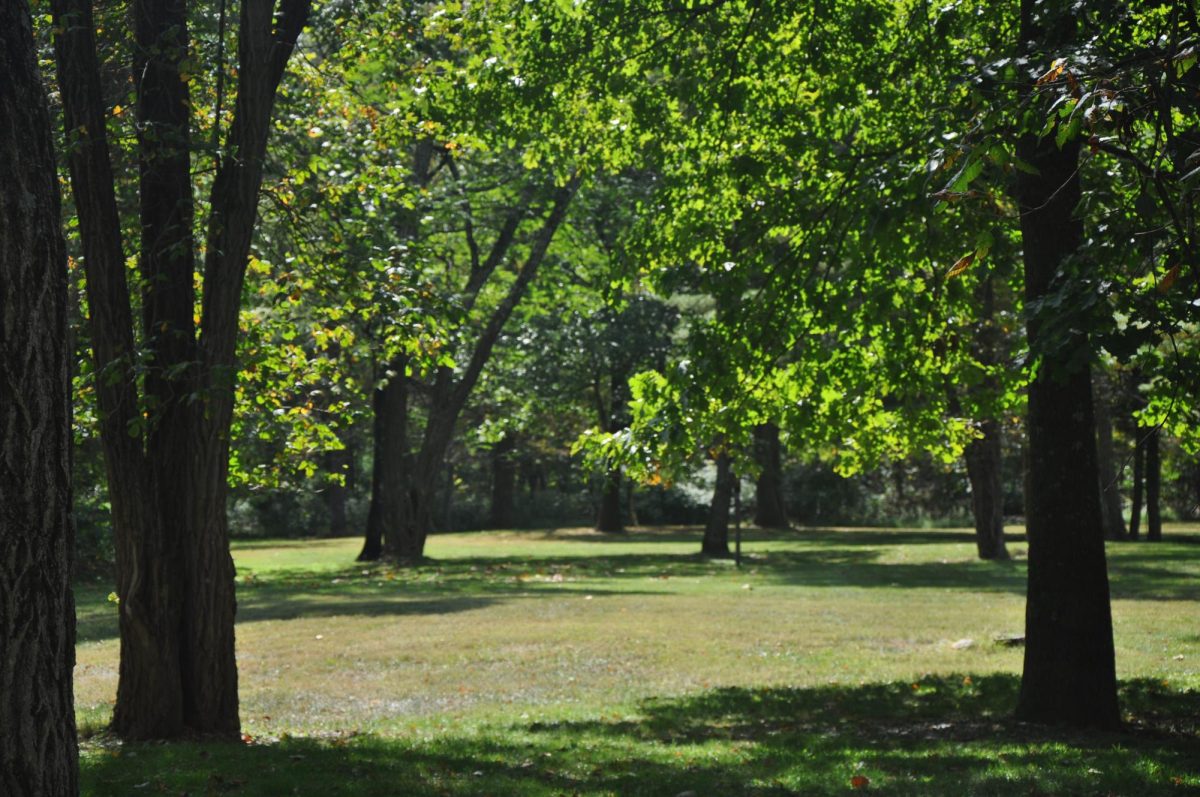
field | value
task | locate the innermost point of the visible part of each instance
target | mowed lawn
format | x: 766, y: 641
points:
x: 569, y: 662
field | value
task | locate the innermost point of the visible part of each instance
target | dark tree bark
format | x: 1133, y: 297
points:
x: 168, y: 475
x: 1110, y: 489
x: 983, y: 457
x: 1153, y: 487
x: 389, y: 471
x: 504, y: 483
x: 1069, y: 674
x: 38, y: 752
x: 716, y: 531
x: 149, y: 689
x: 769, y: 511
x: 609, y: 518
x: 1139, y: 472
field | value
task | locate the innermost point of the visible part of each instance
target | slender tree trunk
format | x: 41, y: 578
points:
x: 1139, y: 471
x: 1153, y: 487
x: 38, y: 752
x: 338, y: 463
x: 983, y: 457
x: 716, y: 531
x: 609, y: 517
x: 504, y: 483
x: 1110, y: 489
x: 1069, y: 674
x: 445, y: 520
x: 769, y: 511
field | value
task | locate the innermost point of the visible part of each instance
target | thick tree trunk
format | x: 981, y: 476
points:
x: 149, y: 691
x: 1153, y: 487
x: 174, y: 571
x: 769, y: 511
x: 609, y: 519
x: 716, y: 531
x: 389, y: 473
x: 38, y: 752
x: 1069, y: 675
x: 1110, y: 488
x: 983, y: 458
x: 504, y: 483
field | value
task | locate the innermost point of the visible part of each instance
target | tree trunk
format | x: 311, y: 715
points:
x: 1139, y: 473
x: 1069, y: 674
x: 407, y: 519
x: 983, y: 457
x: 338, y: 463
x: 1110, y: 489
x: 716, y: 531
x: 504, y: 483
x: 38, y: 751
x: 609, y: 517
x: 769, y: 511
x: 149, y: 689
x: 174, y: 572
x: 1153, y: 487
x: 389, y: 472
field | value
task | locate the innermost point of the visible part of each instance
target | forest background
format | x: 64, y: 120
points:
x: 400, y: 268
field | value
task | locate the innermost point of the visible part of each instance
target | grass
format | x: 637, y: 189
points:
x: 567, y: 662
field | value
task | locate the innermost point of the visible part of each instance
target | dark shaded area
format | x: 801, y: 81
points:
x: 944, y: 735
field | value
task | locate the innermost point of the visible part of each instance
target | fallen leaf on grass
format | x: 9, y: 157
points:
x: 860, y: 782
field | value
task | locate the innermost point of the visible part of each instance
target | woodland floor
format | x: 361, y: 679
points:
x: 567, y: 662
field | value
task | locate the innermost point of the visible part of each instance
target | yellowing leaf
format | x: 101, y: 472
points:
x: 1055, y: 70
x: 962, y: 265
x: 1168, y: 279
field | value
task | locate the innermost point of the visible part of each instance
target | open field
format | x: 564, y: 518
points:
x: 568, y: 662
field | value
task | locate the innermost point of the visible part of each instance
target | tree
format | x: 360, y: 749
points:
x: 769, y: 511
x: 716, y: 529
x: 1110, y: 493
x: 38, y: 752
x: 1069, y: 675
x: 515, y: 120
x: 167, y: 445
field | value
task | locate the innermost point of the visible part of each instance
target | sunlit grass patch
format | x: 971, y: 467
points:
x: 571, y: 662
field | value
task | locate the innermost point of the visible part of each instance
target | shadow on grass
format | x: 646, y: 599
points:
x: 946, y: 735
x: 817, y: 534
x: 837, y: 559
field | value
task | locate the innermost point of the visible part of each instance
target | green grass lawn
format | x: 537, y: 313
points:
x: 568, y: 662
